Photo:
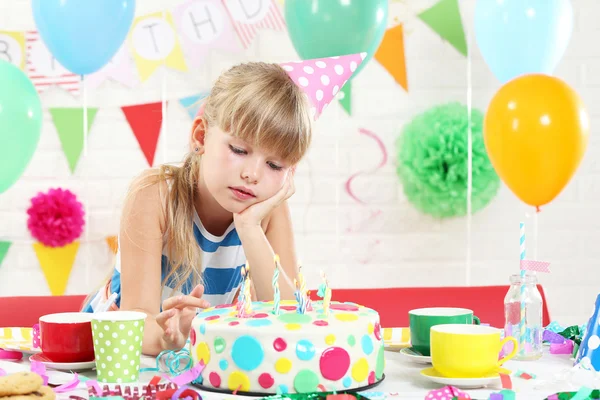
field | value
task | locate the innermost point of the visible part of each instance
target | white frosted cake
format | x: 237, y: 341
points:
x: 291, y: 352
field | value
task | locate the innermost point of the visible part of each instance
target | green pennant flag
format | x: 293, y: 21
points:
x: 69, y: 125
x: 346, y: 97
x: 445, y: 19
x: 3, y: 250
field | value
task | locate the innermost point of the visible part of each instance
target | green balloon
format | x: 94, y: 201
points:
x: 20, y: 123
x: 327, y: 28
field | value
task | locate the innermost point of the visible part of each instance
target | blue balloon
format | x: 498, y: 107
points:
x: 518, y: 37
x: 83, y: 35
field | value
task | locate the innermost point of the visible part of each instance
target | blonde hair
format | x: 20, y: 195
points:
x: 256, y: 102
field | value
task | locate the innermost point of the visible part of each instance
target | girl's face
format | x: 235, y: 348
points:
x: 237, y: 174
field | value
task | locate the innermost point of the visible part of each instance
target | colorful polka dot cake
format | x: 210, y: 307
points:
x: 291, y: 352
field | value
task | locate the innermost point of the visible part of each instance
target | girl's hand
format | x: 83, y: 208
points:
x: 253, y: 215
x: 177, y: 315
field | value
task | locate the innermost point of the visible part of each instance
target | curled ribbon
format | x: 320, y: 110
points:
x: 69, y: 386
x: 40, y: 369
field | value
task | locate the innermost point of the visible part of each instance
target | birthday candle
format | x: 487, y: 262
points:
x: 276, y: 294
x: 326, y: 295
x: 248, y: 297
x: 240, y: 303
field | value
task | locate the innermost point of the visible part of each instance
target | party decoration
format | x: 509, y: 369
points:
x: 69, y: 126
x: 154, y: 42
x: 390, y: 54
x: 4, y: 246
x: 589, y: 353
x: 145, y: 121
x: 55, y: 218
x: 517, y: 38
x: 432, y: 162
x: 249, y: 17
x: 276, y: 292
x: 70, y: 29
x: 384, y: 159
x: 536, y: 132
x: 326, y: 28
x: 447, y: 392
x: 12, y: 48
x: 20, y: 123
x: 192, y: 103
x: 345, y: 97
x: 44, y: 70
x: 113, y: 243
x: 444, y: 18
x: 120, y: 69
x: 56, y: 263
x: 321, y: 79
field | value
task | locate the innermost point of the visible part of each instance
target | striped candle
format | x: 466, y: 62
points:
x: 523, y: 330
x: 276, y: 294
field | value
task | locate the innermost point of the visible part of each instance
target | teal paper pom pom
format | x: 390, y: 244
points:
x: 432, y: 162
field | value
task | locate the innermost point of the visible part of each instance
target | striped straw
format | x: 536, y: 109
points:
x: 276, y: 294
x: 523, y: 331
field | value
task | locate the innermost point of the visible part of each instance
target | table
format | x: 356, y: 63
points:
x: 403, y: 380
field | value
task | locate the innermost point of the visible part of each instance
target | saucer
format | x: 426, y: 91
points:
x: 17, y: 339
x: 395, y: 339
x: 464, y: 383
x: 72, y: 366
x: 411, y: 355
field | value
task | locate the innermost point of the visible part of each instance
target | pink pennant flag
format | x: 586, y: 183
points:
x: 204, y: 25
x: 536, y: 266
x: 249, y: 16
x: 120, y: 69
x: 43, y: 69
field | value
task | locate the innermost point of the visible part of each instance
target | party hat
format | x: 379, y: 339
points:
x: 322, y: 78
x: 589, y: 351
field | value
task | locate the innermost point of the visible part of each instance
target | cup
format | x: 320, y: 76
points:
x: 118, y: 345
x: 422, y: 319
x: 67, y: 337
x: 468, y: 351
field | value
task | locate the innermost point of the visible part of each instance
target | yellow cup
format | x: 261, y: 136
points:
x: 467, y: 351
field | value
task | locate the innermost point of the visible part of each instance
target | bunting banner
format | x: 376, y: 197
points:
x: 113, y: 244
x: 69, y: 126
x: 192, y: 103
x: 12, y: 48
x: 43, y: 69
x: 153, y: 41
x: 120, y: 68
x: 203, y: 25
x: 4, y: 246
x: 390, y: 54
x: 249, y: 16
x: 445, y: 19
x: 145, y: 121
x: 345, y: 97
x: 56, y: 264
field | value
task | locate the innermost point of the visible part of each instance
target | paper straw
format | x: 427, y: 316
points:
x: 523, y: 338
x: 276, y: 294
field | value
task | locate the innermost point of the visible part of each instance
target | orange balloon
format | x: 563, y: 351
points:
x: 536, y: 131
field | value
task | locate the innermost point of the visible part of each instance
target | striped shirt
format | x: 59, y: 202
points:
x: 222, y: 260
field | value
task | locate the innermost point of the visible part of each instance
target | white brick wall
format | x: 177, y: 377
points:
x: 384, y: 243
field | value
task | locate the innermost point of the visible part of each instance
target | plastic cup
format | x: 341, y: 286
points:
x: 118, y: 345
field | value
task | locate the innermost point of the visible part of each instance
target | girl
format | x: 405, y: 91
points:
x: 187, y: 231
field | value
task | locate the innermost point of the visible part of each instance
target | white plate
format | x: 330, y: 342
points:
x: 412, y: 356
x: 463, y: 383
x: 75, y: 366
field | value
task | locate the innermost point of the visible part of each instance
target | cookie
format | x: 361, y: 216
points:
x: 20, y: 383
x: 42, y: 393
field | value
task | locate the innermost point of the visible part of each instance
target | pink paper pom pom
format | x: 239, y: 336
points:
x: 55, y: 218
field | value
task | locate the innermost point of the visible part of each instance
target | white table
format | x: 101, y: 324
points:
x: 403, y: 380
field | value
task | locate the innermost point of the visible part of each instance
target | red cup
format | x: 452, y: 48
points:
x: 67, y: 337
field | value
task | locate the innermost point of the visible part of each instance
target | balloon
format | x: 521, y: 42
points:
x: 536, y: 131
x: 20, y: 123
x: 518, y: 37
x: 328, y: 28
x: 83, y: 35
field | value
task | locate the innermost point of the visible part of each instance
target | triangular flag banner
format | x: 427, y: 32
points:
x: 192, y: 103
x: 69, y: 125
x: 56, y: 263
x: 251, y: 16
x: 113, y: 243
x: 145, y: 121
x: 13, y: 48
x: 390, y: 54
x: 445, y: 19
x: 345, y: 97
x: 3, y: 250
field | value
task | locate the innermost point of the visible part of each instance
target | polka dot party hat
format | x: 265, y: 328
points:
x: 322, y: 78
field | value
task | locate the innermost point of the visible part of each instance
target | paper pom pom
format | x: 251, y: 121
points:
x: 55, y: 218
x: 432, y: 162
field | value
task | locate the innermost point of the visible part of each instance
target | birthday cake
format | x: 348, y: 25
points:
x: 294, y: 351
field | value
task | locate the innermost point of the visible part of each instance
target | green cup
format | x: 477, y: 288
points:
x: 422, y: 319
x: 118, y: 345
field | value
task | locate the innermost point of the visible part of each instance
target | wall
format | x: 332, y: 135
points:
x: 385, y: 242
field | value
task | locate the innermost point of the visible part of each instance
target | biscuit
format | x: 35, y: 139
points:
x: 20, y: 383
x: 42, y: 393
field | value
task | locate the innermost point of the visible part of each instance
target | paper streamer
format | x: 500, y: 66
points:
x: 69, y: 386
x: 536, y: 266
x: 506, y: 381
x: 10, y: 355
x: 552, y: 337
x: 562, y: 348
x: 188, y: 376
x: 384, y: 158
x: 40, y: 369
x: 93, y: 384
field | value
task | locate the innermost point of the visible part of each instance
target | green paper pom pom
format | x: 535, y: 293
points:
x: 432, y: 162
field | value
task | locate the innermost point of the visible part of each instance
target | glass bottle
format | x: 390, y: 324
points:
x: 524, y: 291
